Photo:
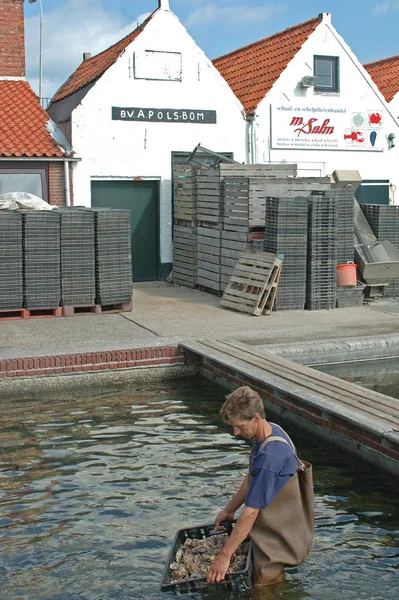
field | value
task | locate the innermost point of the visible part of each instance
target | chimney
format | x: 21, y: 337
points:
x: 86, y: 55
x: 164, y: 4
x: 12, y: 36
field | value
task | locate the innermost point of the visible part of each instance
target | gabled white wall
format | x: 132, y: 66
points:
x: 394, y: 106
x: 357, y: 94
x: 121, y: 149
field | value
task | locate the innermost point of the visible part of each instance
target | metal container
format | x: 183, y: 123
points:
x: 378, y: 262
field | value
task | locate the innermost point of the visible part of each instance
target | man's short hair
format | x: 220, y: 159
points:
x: 242, y: 404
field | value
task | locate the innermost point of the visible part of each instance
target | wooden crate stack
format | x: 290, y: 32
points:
x: 235, y: 225
x: 215, y: 213
x: 185, y: 227
x: 208, y: 186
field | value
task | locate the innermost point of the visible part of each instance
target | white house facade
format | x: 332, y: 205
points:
x: 322, y: 110
x: 143, y: 102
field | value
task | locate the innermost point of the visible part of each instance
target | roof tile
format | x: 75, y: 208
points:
x: 385, y: 74
x: 91, y: 69
x: 252, y: 70
x: 23, y: 123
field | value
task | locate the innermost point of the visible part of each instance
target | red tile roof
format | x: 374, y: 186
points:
x: 91, y: 69
x: 385, y: 74
x: 23, y: 123
x: 252, y: 70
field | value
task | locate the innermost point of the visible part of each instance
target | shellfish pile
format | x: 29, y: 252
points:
x: 194, y: 557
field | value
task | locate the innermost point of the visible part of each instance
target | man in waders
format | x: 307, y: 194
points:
x: 277, y: 493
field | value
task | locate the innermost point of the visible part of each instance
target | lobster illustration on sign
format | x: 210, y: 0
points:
x: 355, y: 136
x: 375, y: 119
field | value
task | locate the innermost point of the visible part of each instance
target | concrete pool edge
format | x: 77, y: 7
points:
x: 361, y: 433
x: 66, y: 371
x: 339, y: 350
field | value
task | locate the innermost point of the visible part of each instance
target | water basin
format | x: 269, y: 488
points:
x: 93, y: 490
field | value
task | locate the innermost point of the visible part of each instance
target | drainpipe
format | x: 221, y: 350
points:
x: 67, y: 187
x: 251, y: 136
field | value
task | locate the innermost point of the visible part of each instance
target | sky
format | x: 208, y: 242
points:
x: 71, y: 27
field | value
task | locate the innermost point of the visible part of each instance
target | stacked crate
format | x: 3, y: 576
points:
x: 208, y: 188
x: 321, y: 292
x: 11, y: 279
x: 345, y: 224
x: 113, y: 256
x: 185, y: 227
x: 384, y: 221
x: 286, y: 233
x: 235, y: 224
x: 78, y: 273
x: 42, y: 259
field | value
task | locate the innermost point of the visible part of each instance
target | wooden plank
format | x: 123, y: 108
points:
x: 208, y: 266
x: 208, y: 241
x: 232, y: 235
x: 208, y: 232
x: 205, y: 249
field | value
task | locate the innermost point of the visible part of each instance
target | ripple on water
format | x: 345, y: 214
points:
x: 91, y: 498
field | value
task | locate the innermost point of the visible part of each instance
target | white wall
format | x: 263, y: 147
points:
x: 394, y: 106
x: 357, y: 94
x: 122, y: 149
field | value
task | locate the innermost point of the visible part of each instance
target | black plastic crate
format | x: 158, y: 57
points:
x: 240, y: 580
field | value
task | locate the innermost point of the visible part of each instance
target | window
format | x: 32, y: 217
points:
x: 326, y: 71
x: 17, y: 178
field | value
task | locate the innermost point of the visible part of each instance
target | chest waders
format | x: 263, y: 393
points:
x: 283, y: 531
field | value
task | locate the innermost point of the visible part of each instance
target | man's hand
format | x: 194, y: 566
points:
x: 224, y: 515
x: 219, y: 568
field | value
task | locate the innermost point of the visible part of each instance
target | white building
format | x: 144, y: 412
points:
x: 309, y: 101
x: 131, y: 112
x: 385, y: 74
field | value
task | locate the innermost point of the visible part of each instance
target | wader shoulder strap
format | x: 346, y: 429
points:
x: 276, y: 438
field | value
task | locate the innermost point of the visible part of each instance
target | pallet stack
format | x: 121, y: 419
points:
x: 78, y: 274
x: 384, y: 221
x: 113, y: 256
x: 42, y: 259
x: 321, y: 292
x: 11, y: 276
x: 209, y: 225
x: 185, y: 227
x: 286, y: 233
x: 235, y: 224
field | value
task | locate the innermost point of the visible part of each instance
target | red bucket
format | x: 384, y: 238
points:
x: 346, y: 275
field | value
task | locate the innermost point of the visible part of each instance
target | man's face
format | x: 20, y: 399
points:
x: 245, y: 428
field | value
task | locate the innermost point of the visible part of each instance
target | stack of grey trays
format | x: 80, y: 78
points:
x: 113, y: 256
x: 286, y: 233
x: 345, y: 224
x: 42, y: 259
x: 11, y: 272
x: 78, y: 270
x: 384, y: 221
x: 321, y: 290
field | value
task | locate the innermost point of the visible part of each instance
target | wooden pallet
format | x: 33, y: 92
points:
x: 18, y: 314
x: 253, y: 285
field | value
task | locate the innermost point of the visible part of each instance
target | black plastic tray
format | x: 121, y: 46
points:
x: 239, y: 580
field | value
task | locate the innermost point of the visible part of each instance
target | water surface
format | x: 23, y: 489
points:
x: 93, y: 490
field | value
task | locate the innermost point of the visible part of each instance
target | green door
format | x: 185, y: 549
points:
x: 142, y: 199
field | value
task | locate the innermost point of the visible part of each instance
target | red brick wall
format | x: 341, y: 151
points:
x: 12, y: 38
x: 56, y: 183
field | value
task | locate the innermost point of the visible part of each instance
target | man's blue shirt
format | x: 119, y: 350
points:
x: 270, y: 470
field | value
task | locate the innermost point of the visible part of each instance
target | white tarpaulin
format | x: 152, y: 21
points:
x: 16, y: 200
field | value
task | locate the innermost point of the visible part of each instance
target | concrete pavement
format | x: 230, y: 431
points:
x: 166, y: 315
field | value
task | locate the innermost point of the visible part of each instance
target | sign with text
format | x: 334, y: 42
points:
x: 318, y: 128
x: 163, y: 115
